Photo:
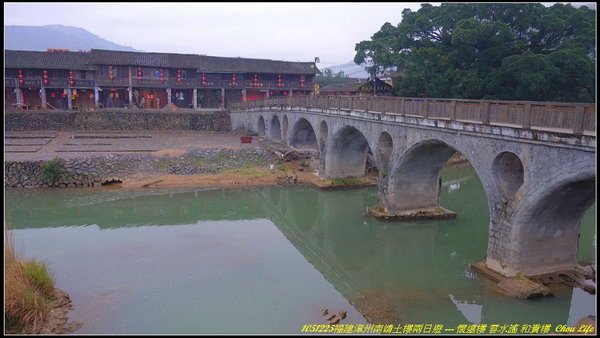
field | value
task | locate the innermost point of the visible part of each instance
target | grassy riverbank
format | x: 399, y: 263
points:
x: 29, y: 291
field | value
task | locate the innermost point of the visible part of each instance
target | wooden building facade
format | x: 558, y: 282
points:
x: 66, y: 80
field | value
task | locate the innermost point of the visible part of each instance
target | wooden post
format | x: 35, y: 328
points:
x: 527, y: 116
x: 402, y: 106
x: 43, y: 97
x: 485, y: 118
x: 19, y: 97
x: 222, y: 97
x: 168, y: 96
x: 579, y: 127
x: 453, y: 110
x: 96, y: 97
x: 195, y: 98
x: 69, y: 100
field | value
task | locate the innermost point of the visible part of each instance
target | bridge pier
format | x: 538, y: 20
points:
x: 414, y: 185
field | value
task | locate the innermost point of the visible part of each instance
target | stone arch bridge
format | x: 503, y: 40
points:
x: 536, y: 161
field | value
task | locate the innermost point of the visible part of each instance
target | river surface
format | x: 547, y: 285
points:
x: 268, y: 259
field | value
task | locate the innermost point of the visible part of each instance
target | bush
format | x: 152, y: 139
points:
x: 52, y: 170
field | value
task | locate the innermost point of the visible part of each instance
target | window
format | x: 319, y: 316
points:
x: 83, y: 74
x: 183, y: 74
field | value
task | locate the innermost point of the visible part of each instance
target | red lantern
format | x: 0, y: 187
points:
x: 162, y: 76
x: 233, y: 80
x: 140, y: 73
x: 301, y: 80
x: 279, y: 83
x: 110, y: 72
x: 204, y: 79
x: 45, y: 78
x: 178, y: 75
x: 71, y: 78
x: 21, y: 78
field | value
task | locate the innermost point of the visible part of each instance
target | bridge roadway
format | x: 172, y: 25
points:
x: 536, y: 161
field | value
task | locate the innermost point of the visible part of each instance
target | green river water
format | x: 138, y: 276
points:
x: 268, y: 259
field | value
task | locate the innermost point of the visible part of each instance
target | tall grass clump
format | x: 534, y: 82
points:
x: 28, y: 291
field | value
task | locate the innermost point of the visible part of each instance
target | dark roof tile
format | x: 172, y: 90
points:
x: 47, y: 60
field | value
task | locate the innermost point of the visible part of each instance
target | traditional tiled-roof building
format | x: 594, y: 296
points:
x: 105, y: 78
x: 368, y: 88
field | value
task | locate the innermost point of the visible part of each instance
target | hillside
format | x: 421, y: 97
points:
x: 40, y: 38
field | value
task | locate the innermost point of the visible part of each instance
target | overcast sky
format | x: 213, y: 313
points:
x: 281, y: 31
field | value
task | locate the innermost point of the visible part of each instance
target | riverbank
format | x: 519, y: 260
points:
x: 32, y: 305
x: 293, y: 172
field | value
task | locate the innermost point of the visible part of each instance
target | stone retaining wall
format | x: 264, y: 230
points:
x: 117, y: 120
x: 90, y: 171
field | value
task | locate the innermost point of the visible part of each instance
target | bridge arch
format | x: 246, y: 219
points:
x: 508, y: 174
x: 346, y: 154
x: 285, y: 125
x: 548, y: 223
x: 303, y: 135
x: 414, y: 179
x: 385, y: 149
x: 275, y: 128
x: 323, y: 135
x: 261, y: 125
x: 323, y: 132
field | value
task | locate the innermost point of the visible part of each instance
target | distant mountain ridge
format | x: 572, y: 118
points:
x: 351, y: 69
x: 40, y: 38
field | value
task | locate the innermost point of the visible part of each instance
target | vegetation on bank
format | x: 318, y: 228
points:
x: 52, y: 170
x: 506, y: 51
x: 28, y: 291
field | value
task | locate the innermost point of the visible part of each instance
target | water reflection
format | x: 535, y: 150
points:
x: 391, y: 272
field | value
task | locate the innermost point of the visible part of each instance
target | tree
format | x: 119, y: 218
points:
x: 327, y: 77
x: 488, y: 50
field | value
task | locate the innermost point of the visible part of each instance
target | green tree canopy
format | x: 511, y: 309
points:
x: 328, y: 77
x: 509, y: 51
